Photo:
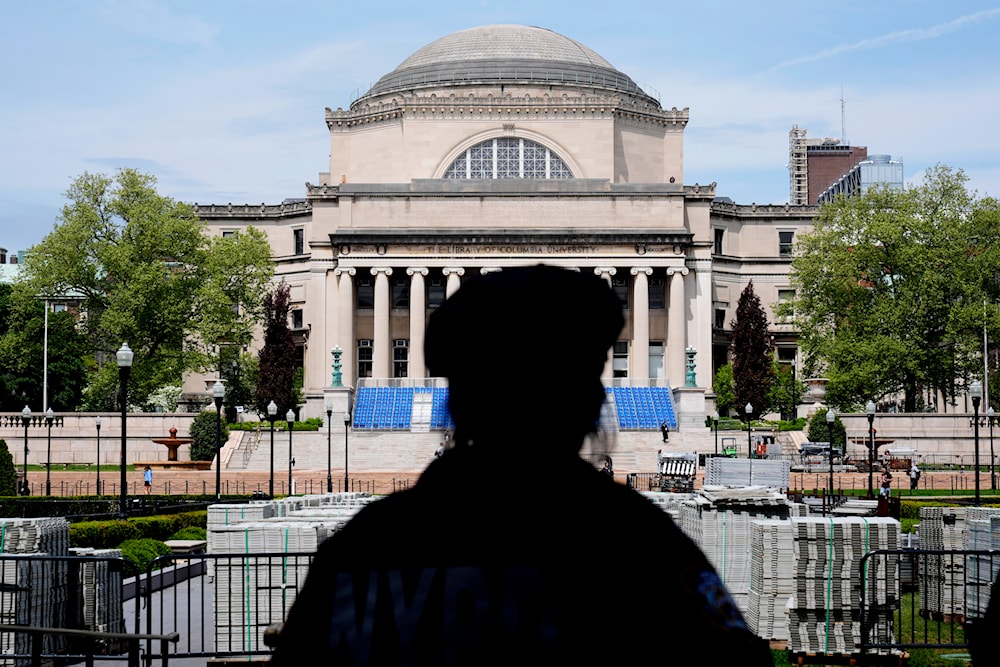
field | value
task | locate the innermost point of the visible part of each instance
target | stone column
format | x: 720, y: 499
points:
x: 418, y: 321
x: 454, y: 276
x: 609, y: 373
x: 700, y: 335
x: 345, y: 323
x: 316, y: 294
x: 640, y: 321
x: 676, y: 326
x: 382, y: 352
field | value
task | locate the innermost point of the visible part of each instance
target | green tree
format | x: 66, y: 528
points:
x: 278, y: 357
x: 149, y: 276
x: 752, y: 354
x: 8, y: 476
x: 895, y: 287
x: 819, y: 431
x: 202, y: 432
x: 725, y: 393
x: 786, y: 392
x: 23, y: 363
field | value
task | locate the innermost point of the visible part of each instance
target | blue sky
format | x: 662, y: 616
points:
x: 223, y: 101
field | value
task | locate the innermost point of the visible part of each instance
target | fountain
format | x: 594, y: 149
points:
x: 172, y: 444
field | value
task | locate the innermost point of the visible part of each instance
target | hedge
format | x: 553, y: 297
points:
x: 110, y: 534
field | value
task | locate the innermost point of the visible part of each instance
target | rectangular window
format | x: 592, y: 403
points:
x: 720, y: 318
x: 786, y: 355
x: 365, y: 293
x: 784, y: 296
x: 59, y: 308
x: 619, y: 360
x: 401, y: 292
x: 227, y: 233
x: 620, y: 287
x: 655, y: 359
x: 435, y: 292
x: 719, y: 234
x: 365, y: 357
x: 657, y: 293
x: 297, y: 318
x: 785, y: 243
x: 400, y: 357
x: 300, y: 245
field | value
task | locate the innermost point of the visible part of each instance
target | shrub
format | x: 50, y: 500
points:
x: 8, y: 476
x: 141, y: 552
x: 102, y: 534
x: 819, y: 432
x: 202, y: 433
x: 190, y: 533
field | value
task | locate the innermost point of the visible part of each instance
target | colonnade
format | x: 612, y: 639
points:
x: 332, y: 317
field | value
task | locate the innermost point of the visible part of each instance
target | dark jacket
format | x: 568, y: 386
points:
x: 474, y: 566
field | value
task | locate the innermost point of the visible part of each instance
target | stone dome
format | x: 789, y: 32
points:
x: 506, y: 54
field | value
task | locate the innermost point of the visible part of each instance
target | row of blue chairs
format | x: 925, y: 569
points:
x: 391, y: 408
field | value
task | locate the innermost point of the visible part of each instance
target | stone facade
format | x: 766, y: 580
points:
x: 387, y: 233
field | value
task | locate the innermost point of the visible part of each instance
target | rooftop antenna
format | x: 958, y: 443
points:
x: 843, y: 118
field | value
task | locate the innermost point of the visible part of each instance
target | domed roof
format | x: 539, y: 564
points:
x: 498, y: 54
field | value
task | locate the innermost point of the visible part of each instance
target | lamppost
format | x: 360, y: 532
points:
x: 830, y: 417
x: 870, y: 411
x: 48, y: 452
x: 218, y: 394
x: 25, y: 419
x: 347, y: 423
x: 748, y: 409
x: 715, y: 426
x: 976, y: 394
x: 993, y: 469
x: 329, y: 448
x: 290, y: 418
x: 97, y: 423
x: 272, y: 414
x: 124, y: 357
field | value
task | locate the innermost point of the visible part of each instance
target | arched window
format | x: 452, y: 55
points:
x: 506, y: 157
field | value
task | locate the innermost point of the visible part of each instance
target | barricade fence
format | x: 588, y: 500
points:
x: 941, y: 593
x: 221, y: 605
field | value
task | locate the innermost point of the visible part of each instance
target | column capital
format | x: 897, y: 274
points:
x: 683, y: 270
x: 636, y: 270
x: 605, y: 270
x: 489, y: 269
x: 344, y: 270
x: 458, y: 271
x: 413, y: 270
x: 387, y: 270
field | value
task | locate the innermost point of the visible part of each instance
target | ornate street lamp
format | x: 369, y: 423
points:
x: 337, y: 378
x: 870, y: 411
x: 218, y: 394
x: 124, y: 357
x: 329, y: 449
x: 993, y: 469
x: 715, y: 425
x: 97, y: 423
x: 976, y: 394
x: 290, y: 418
x: 272, y: 414
x: 830, y: 417
x: 25, y: 419
x: 48, y: 452
x: 347, y: 423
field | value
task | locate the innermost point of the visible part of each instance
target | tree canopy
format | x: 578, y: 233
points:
x: 895, y: 287
x: 277, y: 359
x: 752, y: 355
x: 146, y: 274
